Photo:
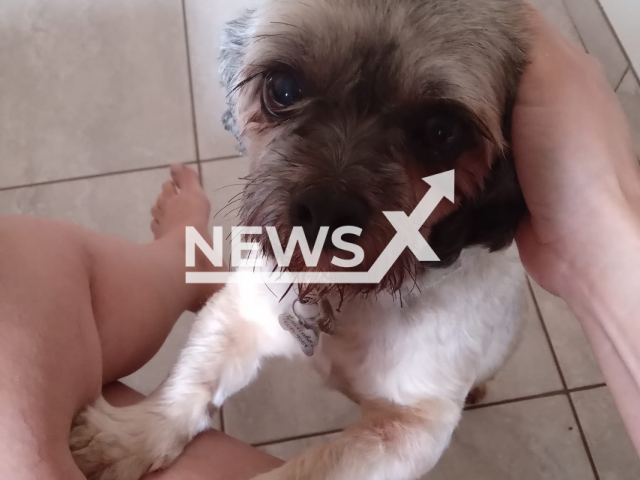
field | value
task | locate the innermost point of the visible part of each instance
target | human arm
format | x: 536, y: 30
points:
x: 581, y: 181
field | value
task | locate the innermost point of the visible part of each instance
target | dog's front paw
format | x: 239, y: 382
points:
x: 111, y: 443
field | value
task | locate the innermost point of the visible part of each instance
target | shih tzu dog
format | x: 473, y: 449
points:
x: 343, y: 106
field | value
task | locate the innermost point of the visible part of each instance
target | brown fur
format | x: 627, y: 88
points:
x: 372, y: 72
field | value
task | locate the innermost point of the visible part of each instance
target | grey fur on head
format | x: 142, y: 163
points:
x: 375, y: 73
x: 235, y: 40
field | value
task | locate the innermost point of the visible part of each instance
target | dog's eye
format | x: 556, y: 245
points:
x: 282, y: 90
x: 443, y: 131
x: 445, y: 135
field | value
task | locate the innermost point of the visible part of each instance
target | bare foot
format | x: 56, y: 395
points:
x: 181, y: 203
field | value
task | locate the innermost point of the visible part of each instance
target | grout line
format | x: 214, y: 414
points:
x: 575, y: 26
x: 587, y: 388
x: 89, y: 177
x: 583, y: 437
x: 535, y: 397
x: 297, y: 437
x: 622, y: 79
x: 620, y: 45
x: 547, y: 336
x: 199, y: 167
x: 567, y: 393
x: 194, y: 122
x: 515, y: 400
x: 612, y: 30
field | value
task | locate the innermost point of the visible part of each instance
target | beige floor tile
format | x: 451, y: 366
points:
x: 558, y: 16
x: 572, y: 348
x: 532, y: 440
x: 149, y: 377
x: 598, y: 38
x: 530, y: 370
x: 629, y: 96
x: 292, y: 448
x: 91, y: 87
x: 612, y: 450
x: 288, y: 399
x: 115, y: 204
x: 205, y: 20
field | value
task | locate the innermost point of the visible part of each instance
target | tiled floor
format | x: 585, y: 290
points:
x: 97, y: 97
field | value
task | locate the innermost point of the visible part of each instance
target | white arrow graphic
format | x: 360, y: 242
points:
x: 407, y: 236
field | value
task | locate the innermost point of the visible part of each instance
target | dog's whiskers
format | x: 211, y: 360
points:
x: 229, y: 203
x: 232, y: 211
x: 286, y: 292
x: 229, y: 186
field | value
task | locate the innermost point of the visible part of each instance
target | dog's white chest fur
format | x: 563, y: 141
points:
x: 440, y: 336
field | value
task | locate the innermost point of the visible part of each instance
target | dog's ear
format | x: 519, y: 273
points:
x: 491, y: 217
x: 235, y: 41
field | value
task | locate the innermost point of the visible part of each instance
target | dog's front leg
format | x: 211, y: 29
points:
x: 391, y: 442
x: 221, y: 357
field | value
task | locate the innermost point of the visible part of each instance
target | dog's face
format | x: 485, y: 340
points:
x: 343, y: 106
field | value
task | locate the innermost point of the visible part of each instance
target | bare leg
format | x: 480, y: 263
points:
x: 79, y: 309
x: 143, y: 292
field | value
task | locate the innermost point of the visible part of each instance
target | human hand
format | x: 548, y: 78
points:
x: 575, y: 163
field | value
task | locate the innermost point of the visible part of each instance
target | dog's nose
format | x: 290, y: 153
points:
x: 324, y: 207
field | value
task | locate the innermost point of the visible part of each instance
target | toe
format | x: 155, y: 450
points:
x: 184, y: 177
x: 155, y: 228
x: 168, y: 189
x: 155, y: 211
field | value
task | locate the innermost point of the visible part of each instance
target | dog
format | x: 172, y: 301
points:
x: 343, y: 106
